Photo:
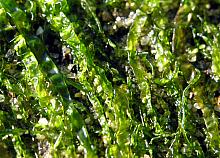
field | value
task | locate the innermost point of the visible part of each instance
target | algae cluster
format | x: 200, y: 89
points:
x: 109, y: 78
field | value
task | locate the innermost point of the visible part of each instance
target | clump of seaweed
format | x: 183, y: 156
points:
x: 111, y: 78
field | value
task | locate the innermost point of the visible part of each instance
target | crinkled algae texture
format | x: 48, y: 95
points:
x: 109, y: 78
